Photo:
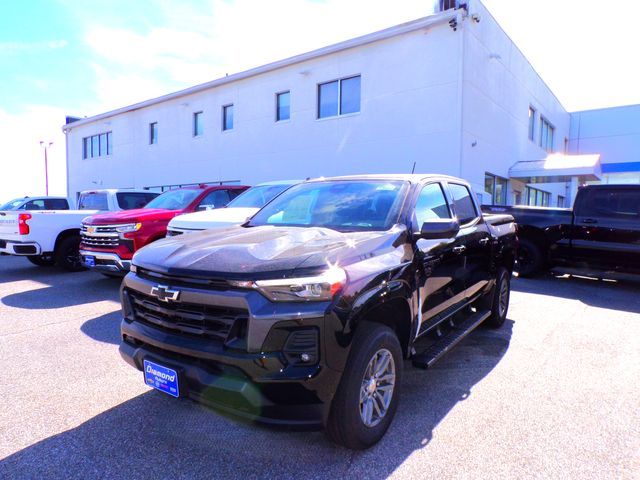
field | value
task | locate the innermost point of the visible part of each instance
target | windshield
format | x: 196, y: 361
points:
x: 131, y: 200
x: 93, y: 201
x: 257, y: 197
x: 339, y: 205
x: 13, y: 204
x: 174, y: 199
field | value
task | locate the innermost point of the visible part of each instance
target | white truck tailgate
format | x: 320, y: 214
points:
x: 8, y: 224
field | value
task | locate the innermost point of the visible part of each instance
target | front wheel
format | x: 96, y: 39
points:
x: 42, y: 260
x: 368, y: 394
x: 68, y: 254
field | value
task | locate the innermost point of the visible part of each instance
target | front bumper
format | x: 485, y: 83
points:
x: 10, y: 247
x: 106, y: 262
x: 254, y: 378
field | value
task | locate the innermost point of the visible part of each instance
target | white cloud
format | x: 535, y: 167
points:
x: 14, y: 48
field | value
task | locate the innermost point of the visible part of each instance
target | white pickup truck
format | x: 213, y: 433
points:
x: 48, y: 237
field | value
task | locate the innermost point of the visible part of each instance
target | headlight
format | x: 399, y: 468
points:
x: 306, y: 289
x: 129, y: 227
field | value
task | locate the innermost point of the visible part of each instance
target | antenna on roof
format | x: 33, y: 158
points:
x: 413, y: 170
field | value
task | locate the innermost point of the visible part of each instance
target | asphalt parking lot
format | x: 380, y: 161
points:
x: 554, y: 394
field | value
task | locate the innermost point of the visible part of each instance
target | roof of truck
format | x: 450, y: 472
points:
x: 404, y: 177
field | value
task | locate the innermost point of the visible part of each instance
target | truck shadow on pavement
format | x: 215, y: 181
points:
x: 155, y: 436
x: 105, y: 328
x: 621, y: 296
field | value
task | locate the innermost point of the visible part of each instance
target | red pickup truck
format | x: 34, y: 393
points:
x: 109, y: 240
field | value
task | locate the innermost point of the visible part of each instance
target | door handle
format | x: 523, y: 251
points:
x: 483, y: 241
x: 589, y: 220
x: 460, y: 249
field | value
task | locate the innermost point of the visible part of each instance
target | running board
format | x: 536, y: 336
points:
x: 436, y: 351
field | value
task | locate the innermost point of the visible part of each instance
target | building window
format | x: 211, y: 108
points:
x: 339, y: 97
x: 546, y: 134
x: 496, y: 187
x: 536, y: 198
x: 197, y: 124
x: 532, y: 122
x: 561, y: 201
x: 227, y: 117
x: 153, y: 133
x: 283, y: 106
x: 97, y: 146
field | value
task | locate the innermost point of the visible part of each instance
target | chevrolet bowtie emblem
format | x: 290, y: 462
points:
x: 165, y: 294
x: 91, y: 229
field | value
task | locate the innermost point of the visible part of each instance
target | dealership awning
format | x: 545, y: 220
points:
x: 558, y: 167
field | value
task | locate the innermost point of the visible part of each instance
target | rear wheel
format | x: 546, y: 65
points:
x: 68, y: 254
x: 367, y: 397
x: 498, y: 300
x: 530, y: 258
x: 45, y: 260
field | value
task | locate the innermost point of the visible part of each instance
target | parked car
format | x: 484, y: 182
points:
x: 51, y: 237
x: 110, y: 240
x: 599, y: 237
x: 304, y: 315
x: 36, y: 203
x: 237, y: 211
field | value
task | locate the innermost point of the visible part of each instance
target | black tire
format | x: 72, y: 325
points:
x: 42, y: 260
x: 68, y: 254
x: 530, y: 258
x: 345, y: 425
x: 498, y: 300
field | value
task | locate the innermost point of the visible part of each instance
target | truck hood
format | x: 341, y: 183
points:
x: 132, y: 216
x: 263, y: 252
x: 219, y: 217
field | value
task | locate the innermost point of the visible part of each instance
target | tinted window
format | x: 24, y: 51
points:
x: 257, y: 197
x: 131, y: 200
x: 174, y: 199
x: 463, y: 205
x: 215, y: 199
x: 328, y: 99
x: 340, y: 205
x: 350, y: 95
x: 283, y: 106
x: 431, y: 205
x: 227, y: 117
x: 34, y: 205
x: 618, y: 204
x: 197, y: 124
x: 56, y: 204
x: 93, y: 201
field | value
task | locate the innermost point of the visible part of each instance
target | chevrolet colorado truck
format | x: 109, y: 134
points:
x: 48, y: 237
x: 236, y: 212
x: 109, y: 240
x: 599, y: 237
x: 304, y: 315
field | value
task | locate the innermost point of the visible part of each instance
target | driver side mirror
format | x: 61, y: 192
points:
x: 439, y: 229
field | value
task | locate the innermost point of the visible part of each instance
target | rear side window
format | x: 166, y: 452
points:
x: 619, y: 204
x: 93, y: 201
x: 34, y: 205
x: 131, y: 200
x: 431, y: 205
x: 463, y: 205
x: 56, y: 204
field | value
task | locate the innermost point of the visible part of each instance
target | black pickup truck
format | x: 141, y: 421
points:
x: 600, y: 237
x: 303, y: 316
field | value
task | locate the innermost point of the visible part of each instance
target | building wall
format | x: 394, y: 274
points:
x: 499, y: 86
x: 614, y: 133
x: 408, y: 96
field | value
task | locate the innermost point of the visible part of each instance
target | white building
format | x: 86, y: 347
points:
x: 449, y: 93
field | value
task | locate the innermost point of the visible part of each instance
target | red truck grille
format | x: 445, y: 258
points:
x: 101, y: 236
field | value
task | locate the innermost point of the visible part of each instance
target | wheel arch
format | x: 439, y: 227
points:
x: 70, y: 232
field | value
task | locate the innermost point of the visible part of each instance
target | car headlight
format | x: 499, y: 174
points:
x: 129, y: 227
x: 305, y: 289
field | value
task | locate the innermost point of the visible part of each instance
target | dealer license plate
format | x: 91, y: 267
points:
x: 161, y: 378
x: 90, y: 261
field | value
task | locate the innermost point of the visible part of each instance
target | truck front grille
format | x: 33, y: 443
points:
x: 220, y: 323
x: 101, y: 236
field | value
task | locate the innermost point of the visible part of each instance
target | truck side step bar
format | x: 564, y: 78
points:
x: 436, y: 351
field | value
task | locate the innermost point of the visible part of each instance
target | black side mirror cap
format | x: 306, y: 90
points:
x: 439, y: 229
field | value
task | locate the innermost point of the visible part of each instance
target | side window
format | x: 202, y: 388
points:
x: 463, y: 205
x: 613, y: 204
x: 34, y: 205
x: 56, y: 204
x: 431, y: 205
x: 215, y: 199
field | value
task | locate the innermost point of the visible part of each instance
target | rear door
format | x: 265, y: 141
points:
x: 606, y: 231
x: 440, y: 265
x: 474, y: 239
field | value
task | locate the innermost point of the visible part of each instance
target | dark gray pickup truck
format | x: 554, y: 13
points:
x: 304, y: 315
x: 599, y: 237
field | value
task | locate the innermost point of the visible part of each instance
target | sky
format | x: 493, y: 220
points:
x: 73, y: 57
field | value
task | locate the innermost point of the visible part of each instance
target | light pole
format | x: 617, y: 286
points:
x: 46, y: 166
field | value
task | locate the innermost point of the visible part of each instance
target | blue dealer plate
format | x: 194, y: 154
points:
x: 90, y: 261
x: 161, y: 378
